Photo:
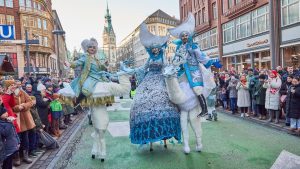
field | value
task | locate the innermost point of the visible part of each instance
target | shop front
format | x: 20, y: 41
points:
x: 248, y: 53
x: 290, y: 45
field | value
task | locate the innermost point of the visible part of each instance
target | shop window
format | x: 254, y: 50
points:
x: 228, y: 32
x: 2, y: 19
x: 260, y: 20
x: 243, y: 26
x: 290, y: 12
x: 10, y: 20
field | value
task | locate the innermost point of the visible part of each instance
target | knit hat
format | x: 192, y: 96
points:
x: 40, y: 87
x: 262, y: 77
x: 56, y: 96
x: 49, y: 86
x: 8, y: 83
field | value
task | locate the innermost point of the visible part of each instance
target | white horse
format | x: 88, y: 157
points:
x: 182, y: 94
x: 99, y: 114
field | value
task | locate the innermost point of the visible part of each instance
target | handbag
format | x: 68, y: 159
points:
x: 47, y: 140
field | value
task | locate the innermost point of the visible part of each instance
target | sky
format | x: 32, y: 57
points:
x: 82, y: 19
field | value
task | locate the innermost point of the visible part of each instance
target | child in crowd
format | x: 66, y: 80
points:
x: 224, y: 97
x: 56, y: 113
x: 9, y: 137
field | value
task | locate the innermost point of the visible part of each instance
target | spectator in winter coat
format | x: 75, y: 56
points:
x: 23, y: 105
x: 9, y: 137
x: 243, y: 98
x: 283, y: 94
x: 42, y: 105
x: 233, y: 93
x: 273, y: 85
x: 260, y: 97
x: 293, y: 105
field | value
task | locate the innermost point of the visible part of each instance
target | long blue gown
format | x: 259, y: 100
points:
x: 153, y: 117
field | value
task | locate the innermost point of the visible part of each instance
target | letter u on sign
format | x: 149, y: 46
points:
x: 7, y: 32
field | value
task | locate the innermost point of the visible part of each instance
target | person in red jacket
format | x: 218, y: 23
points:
x: 9, y: 102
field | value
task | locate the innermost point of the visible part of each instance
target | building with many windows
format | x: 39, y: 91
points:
x: 237, y: 31
x: 158, y: 24
x: 35, y: 17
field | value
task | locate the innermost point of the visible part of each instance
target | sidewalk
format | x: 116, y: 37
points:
x: 280, y: 126
x: 50, y: 157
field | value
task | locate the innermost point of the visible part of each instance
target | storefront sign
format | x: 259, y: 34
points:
x: 8, y: 49
x: 257, y: 43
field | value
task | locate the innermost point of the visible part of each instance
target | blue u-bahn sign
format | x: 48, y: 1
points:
x: 7, y: 32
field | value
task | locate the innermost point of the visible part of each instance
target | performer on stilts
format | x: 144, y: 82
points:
x: 94, y: 89
x: 153, y: 117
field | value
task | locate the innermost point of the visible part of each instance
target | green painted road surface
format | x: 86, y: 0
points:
x: 230, y: 143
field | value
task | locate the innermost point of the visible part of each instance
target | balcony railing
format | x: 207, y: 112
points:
x: 240, y: 7
x: 24, y: 9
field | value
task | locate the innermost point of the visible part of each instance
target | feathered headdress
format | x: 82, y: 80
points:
x: 149, y: 40
x: 188, y: 26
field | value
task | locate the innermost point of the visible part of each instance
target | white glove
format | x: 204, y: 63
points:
x: 10, y: 119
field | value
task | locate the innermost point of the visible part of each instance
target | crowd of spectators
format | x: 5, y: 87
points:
x: 272, y: 95
x: 30, y: 106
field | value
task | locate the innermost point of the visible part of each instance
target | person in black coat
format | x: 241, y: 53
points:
x: 9, y: 137
x: 42, y: 105
x: 293, y: 106
x: 283, y: 94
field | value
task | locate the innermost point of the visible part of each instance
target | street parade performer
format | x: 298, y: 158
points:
x: 189, y: 82
x: 194, y: 60
x: 153, y: 117
x: 93, y: 88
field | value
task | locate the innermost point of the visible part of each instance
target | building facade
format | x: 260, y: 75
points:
x: 158, y: 24
x: 61, y: 51
x: 109, y: 42
x: 238, y: 31
x: 36, y: 18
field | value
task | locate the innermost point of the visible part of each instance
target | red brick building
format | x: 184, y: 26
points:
x: 36, y: 17
x: 237, y: 31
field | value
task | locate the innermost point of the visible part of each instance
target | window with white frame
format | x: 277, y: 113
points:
x: 44, y: 24
x: 22, y: 3
x: 9, y: 3
x: 205, y: 40
x: 290, y: 12
x: 10, y: 20
x: 28, y: 3
x: 243, y: 26
x: 41, y: 40
x: 1, y: 2
x: 260, y: 20
x: 213, y: 38
x: 39, y: 23
x: 228, y: 32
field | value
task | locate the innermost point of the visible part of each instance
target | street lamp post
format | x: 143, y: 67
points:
x: 58, y: 32
x: 27, y: 51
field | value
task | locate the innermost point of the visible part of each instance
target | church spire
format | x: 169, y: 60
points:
x: 108, y: 25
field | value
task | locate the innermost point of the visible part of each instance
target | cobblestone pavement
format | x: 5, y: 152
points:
x: 44, y: 160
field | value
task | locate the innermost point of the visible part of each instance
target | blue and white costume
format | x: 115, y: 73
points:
x: 153, y: 117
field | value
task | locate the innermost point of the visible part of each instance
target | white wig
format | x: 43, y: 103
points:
x: 88, y: 43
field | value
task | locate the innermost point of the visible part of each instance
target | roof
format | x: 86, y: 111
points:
x: 162, y: 14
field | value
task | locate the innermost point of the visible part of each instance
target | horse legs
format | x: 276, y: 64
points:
x: 151, y: 146
x: 100, y: 123
x: 196, y: 126
x: 165, y: 143
x: 185, y: 131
